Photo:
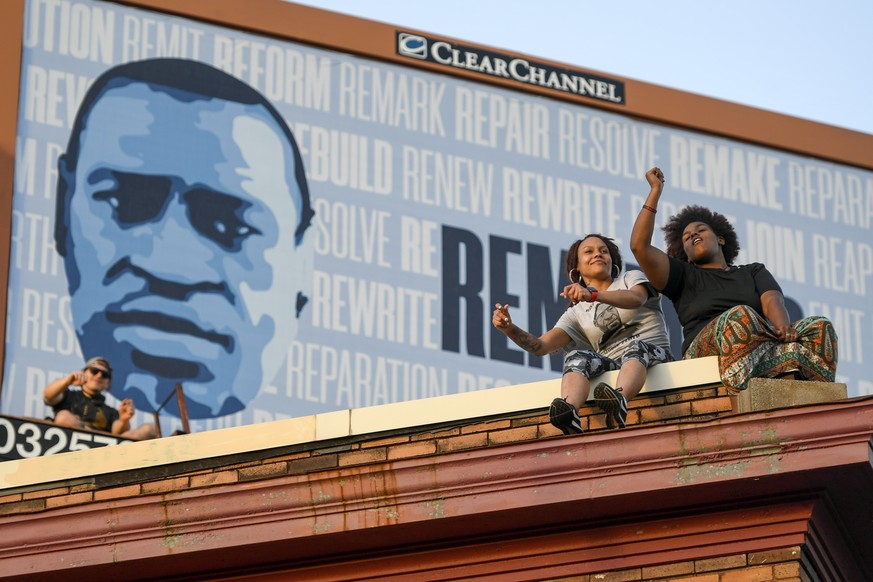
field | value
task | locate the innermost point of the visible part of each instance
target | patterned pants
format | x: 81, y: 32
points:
x: 590, y: 363
x: 747, y: 347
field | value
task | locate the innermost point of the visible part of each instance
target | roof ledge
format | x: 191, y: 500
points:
x: 818, y: 454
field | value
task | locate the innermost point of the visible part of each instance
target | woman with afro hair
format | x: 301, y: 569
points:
x: 614, y: 322
x: 735, y: 312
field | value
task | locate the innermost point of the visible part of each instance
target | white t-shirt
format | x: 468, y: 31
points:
x: 606, y: 329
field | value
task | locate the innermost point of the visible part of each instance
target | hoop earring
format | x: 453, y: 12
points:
x: 578, y: 276
x: 617, y: 271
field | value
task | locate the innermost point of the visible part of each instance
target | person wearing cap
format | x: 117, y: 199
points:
x: 86, y: 407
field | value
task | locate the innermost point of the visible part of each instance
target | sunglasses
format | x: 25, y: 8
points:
x: 99, y: 372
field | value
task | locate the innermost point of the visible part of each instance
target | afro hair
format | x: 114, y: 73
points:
x: 717, y: 222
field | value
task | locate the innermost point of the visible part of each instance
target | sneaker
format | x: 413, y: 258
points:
x: 563, y: 415
x: 612, y: 402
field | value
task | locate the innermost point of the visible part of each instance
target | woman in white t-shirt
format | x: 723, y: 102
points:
x: 614, y: 322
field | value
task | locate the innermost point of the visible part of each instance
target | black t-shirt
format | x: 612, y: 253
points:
x: 94, y: 412
x: 700, y: 295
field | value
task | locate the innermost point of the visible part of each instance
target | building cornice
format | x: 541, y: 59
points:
x: 703, y: 482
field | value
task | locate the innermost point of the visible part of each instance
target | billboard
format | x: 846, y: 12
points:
x: 288, y: 230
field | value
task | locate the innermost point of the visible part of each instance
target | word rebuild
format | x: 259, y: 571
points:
x: 346, y: 159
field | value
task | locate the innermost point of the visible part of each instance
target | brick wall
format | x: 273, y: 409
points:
x: 660, y: 407
x: 425, y: 444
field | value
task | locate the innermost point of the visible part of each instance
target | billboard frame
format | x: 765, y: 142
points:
x: 376, y: 40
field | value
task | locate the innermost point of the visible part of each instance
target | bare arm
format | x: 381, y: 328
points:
x: 550, y: 342
x: 125, y: 413
x: 54, y: 392
x: 773, y: 305
x: 653, y: 261
x: 623, y: 298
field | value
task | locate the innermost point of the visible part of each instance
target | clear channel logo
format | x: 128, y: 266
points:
x: 412, y: 45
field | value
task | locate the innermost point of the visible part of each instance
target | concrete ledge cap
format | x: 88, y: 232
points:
x: 771, y: 393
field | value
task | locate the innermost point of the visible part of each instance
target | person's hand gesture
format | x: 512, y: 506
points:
x: 786, y: 333
x: 575, y: 292
x: 126, y: 409
x: 76, y: 378
x: 500, y: 318
x: 655, y: 178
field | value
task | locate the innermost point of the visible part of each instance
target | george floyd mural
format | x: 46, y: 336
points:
x: 287, y: 230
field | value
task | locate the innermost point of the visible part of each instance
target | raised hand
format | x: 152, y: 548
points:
x: 500, y: 318
x: 655, y: 178
x: 126, y: 409
x: 76, y: 378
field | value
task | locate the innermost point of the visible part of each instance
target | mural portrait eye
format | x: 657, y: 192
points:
x: 219, y: 218
x: 136, y: 199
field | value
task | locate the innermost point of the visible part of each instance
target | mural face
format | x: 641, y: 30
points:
x: 182, y: 263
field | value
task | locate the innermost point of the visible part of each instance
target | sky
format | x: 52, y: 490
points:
x: 811, y: 59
